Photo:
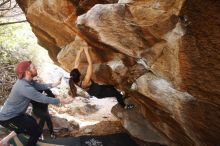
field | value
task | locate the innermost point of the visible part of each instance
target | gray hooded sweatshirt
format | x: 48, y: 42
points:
x: 22, y: 92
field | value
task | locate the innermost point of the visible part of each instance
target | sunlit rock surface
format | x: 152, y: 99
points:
x: 163, y: 53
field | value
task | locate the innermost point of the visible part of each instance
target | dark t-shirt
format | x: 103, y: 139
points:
x: 42, y: 106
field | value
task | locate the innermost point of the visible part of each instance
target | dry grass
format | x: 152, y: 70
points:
x: 7, y: 79
x: 8, y: 60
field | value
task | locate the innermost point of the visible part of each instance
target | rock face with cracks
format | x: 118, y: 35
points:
x: 163, y: 53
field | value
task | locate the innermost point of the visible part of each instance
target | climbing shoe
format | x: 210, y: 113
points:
x: 41, y: 137
x: 53, y: 136
x: 129, y: 106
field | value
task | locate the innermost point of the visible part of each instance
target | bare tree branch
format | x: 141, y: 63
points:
x: 4, y: 2
x: 7, y: 23
x: 14, y: 15
x: 9, y: 8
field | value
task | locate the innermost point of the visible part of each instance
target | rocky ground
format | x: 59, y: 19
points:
x: 82, y: 117
x: 89, y: 116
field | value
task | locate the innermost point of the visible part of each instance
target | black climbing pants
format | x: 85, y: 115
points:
x: 44, y: 117
x: 102, y: 91
x: 24, y: 124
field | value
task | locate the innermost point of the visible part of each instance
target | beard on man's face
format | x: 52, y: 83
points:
x: 33, y: 73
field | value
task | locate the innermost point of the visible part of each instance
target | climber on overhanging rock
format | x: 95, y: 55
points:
x: 94, y: 89
x: 13, y: 113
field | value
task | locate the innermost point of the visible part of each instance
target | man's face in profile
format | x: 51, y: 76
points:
x: 33, y: 70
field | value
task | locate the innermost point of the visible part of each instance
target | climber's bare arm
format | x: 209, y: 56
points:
x: 78, y: 56
x: 87, y: 79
